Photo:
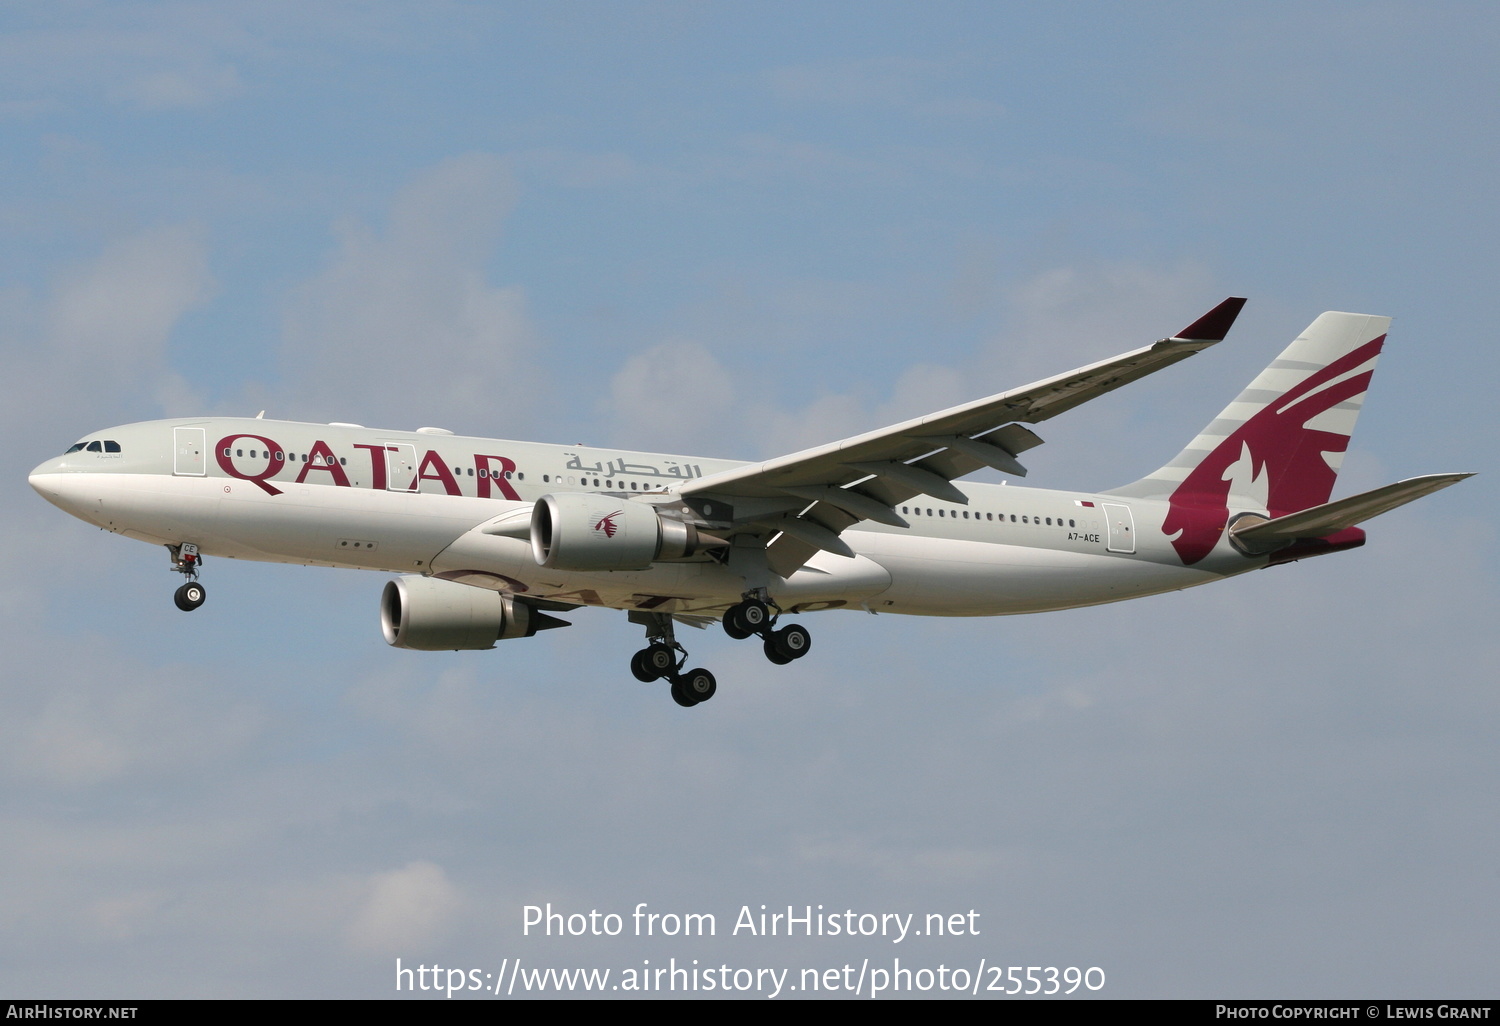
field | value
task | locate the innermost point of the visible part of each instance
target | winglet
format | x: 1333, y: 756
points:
x: 1214, y: 325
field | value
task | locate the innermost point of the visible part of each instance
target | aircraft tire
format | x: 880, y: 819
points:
x: 680, y: 694
x: 658, y: 660
x: 699, y: 685
x: 753, y: 615
x: 734, y: 626
x: 190, y: 596
x: 775, y: 654
x: 640, y: 669
x: 792, y: 641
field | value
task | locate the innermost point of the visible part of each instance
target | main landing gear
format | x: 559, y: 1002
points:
x: 185, y: 561
x: 663, y: 657
x: 755, y: 616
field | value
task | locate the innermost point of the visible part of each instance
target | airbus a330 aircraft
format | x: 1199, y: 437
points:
x: 494, y: 537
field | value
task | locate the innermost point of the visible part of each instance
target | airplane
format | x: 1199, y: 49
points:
x: 492, y: 538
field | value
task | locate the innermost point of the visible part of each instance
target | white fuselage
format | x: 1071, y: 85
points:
x: 419, y: 503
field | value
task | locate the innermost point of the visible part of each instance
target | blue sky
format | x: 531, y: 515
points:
x: 736, y: 230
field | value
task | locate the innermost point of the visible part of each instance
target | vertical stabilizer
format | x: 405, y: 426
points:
x: 1277, y: 448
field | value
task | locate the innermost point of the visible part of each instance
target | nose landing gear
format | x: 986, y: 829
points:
x: 186, y: 560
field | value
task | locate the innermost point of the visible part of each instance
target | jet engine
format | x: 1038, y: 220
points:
x: 434, y: 615
x: 587, y: 531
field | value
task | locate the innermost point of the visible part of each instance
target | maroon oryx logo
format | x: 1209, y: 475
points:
x: 1275, y: 442
x: 607, y: 524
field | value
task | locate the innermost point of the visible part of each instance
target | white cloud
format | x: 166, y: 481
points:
x: 176, y: 56
x: 404, y: 323
x: 94, y: 348
x: 111, y: 319
x: 1068, y: 316
x: 87, y: 717
x: 672, y: 395
x: 405, y: 908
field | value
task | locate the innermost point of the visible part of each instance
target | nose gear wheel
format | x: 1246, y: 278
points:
x: 190, y: 596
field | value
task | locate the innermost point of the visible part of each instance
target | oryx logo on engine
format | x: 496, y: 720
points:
x: 607, y: 524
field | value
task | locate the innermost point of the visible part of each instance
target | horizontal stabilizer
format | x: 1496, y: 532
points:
x: 1257, y: 535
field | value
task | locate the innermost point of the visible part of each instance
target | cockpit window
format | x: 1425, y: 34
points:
x: 106, y: 445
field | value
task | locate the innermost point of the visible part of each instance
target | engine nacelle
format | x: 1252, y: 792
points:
x: 433, y: 615
x: 587, y: 531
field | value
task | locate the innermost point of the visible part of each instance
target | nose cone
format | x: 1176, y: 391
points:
x: 67, y: 491
x: 41, y: 477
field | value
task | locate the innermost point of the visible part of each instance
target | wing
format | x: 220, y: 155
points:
x: 800, y: 503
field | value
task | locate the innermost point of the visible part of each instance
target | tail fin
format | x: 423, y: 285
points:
x: 1278, y: 447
